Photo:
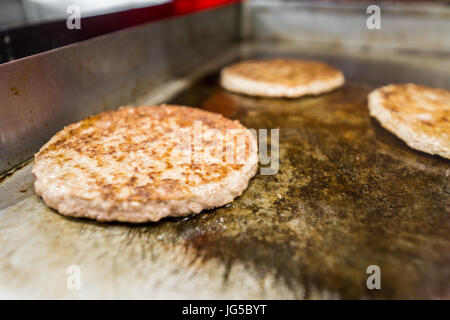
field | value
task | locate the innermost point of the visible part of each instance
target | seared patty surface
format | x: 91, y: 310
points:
x: 281, y: 77
x: 139, y: 164
x: 419, y: 115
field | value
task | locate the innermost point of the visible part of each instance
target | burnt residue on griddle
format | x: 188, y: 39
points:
x: 9, y: 173
x: 348, y: 195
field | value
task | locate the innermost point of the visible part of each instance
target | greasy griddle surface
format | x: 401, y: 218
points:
x: 348, y: 194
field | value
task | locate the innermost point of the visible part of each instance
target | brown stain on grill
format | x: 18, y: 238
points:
x: 14, y: 91
x: 9, y: 173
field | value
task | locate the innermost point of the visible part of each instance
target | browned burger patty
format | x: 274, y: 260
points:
x: 145, y: 163
x: 281, y: 77
x: 419, y: 115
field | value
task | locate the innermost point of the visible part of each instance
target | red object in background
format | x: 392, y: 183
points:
x: 32, y: 39
x: 187, y: 6
x: 162, y: 11
x: 134, y: 17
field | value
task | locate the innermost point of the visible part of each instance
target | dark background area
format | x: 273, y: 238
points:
x: 21, y: 38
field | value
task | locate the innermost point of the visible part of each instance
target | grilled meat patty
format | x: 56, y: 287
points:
x: 418, y: 115
x: 139, y: 164
x: 281, y: 77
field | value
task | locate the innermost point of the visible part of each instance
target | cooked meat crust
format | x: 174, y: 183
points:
x: 139, y: 164
x: 418, y: 115
x: 281, y: 77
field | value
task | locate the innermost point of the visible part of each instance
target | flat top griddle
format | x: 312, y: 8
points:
x: 348, y: 194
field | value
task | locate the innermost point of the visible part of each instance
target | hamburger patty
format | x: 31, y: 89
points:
x: 418, y: 115
x: 281, y: 77
x: 145, y: 163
